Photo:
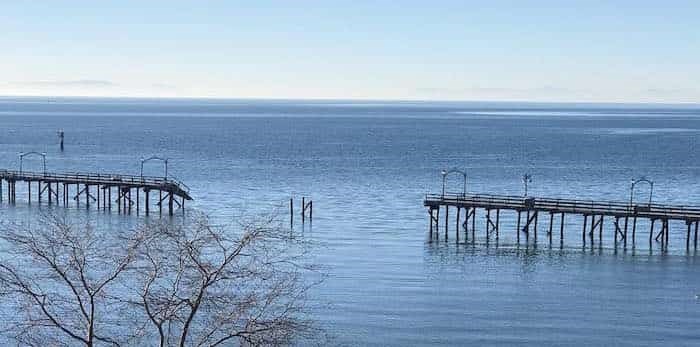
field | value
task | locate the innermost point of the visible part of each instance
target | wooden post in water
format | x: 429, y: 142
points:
x: 583, y: 235
x: 291, y: 213
x: 437, y: 223
x: 447, y: 213
x: 430, y: 216
x: 459, y: 211
x: 147, y: 193
x: 551, y: 225
x: 651, y: 232
x: 498, y: 215
x: 592, y: 232
x: 625, y: 239
x: 517, y: 232
x: 488, y: 220
x: 561, y: 229
x: 473, y: 224
x: 617, y: 228
x: 465, y: 224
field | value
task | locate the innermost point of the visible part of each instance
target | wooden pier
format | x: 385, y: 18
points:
x: 98, y: 190
x: 528, y: 211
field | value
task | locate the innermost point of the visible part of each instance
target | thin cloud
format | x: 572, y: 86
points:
x: 69, y: 83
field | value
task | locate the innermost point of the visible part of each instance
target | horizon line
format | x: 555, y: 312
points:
x: 388, y: 100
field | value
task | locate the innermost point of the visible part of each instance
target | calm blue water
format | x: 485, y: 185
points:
x: 367, y: 167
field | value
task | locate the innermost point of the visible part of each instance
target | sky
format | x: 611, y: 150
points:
x: 595, y: 51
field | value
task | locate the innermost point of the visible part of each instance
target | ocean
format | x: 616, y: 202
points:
x: 367, y: 167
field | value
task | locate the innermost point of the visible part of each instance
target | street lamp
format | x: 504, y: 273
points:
x: 164, y: 160
x: 527, y: 178
x: 445, y: 173
x: 22, y: 155
x: 641, y: 180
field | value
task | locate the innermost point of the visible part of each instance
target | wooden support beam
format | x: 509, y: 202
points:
x: 531, y: 219
x: 535, y: 226
x: 618, y: 231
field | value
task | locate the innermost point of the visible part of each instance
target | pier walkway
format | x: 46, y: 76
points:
x: 624, y: 216
x: 96, y: 189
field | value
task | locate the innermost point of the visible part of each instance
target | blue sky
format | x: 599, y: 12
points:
x: 619, y: 51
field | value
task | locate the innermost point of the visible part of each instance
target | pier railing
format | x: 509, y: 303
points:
x: 599, y: 207
x: 102, y: 178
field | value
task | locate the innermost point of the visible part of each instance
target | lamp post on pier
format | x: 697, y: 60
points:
x: 445, y: 173
x: 164, y: 160
x: 22, y: 155
x: 527, y: 178
x: 641, y: 180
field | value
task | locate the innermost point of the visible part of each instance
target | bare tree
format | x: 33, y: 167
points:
x: 56, y: 278
x: 170, y: 282
x: 202, y: 285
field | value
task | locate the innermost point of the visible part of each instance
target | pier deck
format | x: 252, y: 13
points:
x: 624, y: 216
x: 64, y: 188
